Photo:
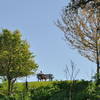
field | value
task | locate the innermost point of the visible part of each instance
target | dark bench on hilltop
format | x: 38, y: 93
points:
x: 42, y: 77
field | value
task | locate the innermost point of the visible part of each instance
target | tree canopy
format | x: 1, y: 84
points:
x: 76, y: 4
x: 16, y: 60
x: 81, y: 29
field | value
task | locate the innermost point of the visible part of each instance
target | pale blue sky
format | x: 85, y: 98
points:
x: 35, y: 19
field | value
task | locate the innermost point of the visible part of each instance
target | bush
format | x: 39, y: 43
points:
x: 3, y: 97
x: 43, y: 93
x: 92, y: 91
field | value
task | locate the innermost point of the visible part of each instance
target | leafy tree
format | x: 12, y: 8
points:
x: 15, y: 58
x: 82, y: 29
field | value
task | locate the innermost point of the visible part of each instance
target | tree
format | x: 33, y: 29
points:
x: 71, y: 74
x: 15, y: 58
x: 81, y: 29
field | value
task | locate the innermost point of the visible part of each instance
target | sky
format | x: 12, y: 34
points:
x: 36, y: 21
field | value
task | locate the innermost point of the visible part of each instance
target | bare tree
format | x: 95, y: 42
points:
x: 71, y: 74
x: 82, y: 31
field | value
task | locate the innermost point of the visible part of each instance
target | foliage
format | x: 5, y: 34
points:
x: 82, y: 30
x: 93, y: 91
x: 62, y: 95
x: 2, y: 96
x: 56, y: 90
x: 74, y: 5
x: 95, y: 77
x: 15, y: 58
x: 77, y: 90
x: 43, y: 93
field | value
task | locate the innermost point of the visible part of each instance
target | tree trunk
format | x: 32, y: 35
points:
x: 9, y: 86
x: 97, y: 61
x: 98, y: 72
x: 12, y: 84
x: 26, y: 84
x: 97, y: 43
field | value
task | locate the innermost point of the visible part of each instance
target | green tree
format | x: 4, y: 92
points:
x: 81, y: 27
x: 16, y: 60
